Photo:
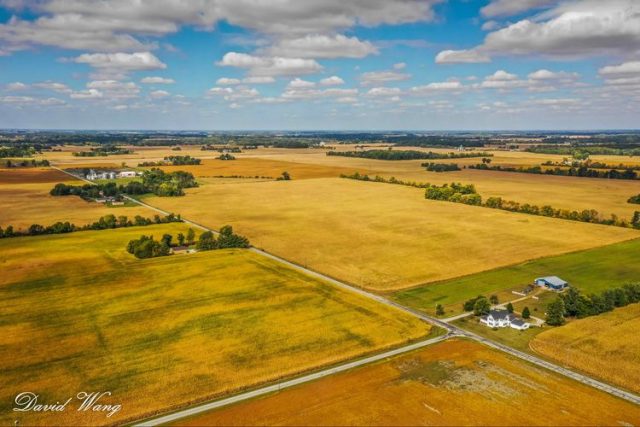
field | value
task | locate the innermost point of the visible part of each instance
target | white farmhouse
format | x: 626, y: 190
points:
x: 503, y: 319
x: 127, y: 174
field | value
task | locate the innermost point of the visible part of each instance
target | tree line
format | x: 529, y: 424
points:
x: 405, y: 154
x: 581, y: 171
x: 33, y: 163
x: 593, y: 165
x: 441, y: 167
x: 574, y: 304
x: 467, y: 194
x: 578, y: 152
x: 634, y: 199
x: 18, y: 151
x: 147, y: 247
x: 173, y: 161
x: 103, y: 151
x: 104, y: 223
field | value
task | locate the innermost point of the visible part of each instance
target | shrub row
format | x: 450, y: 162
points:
x: 173, y: 161
x: 581, y: 171
x: 441, y: 167
x: 405, y: 154
x: 104, y: 223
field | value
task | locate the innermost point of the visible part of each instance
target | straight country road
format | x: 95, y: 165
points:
x: 286, y: 384
x: 451, y: 331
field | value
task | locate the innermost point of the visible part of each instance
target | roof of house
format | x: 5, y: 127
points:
x: 500, y: 314
x: 518, y: 322
x: 552, y: 280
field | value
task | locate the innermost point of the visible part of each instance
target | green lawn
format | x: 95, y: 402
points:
x: 593, y: 270
x: 509, y: 336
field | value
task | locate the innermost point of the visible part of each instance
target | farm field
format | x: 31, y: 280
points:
x: 561, y: 192
x: 592, y: 270
x: 383, y: 237
x: 26, y: 200
x: 252, y: 167
x: 605, y: 346
x: 165, y: 332
x: 451, y: 383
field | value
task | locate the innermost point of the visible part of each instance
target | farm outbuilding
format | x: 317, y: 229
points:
x: 552, y: 282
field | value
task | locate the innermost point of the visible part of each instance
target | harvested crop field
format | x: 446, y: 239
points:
x: 32, y: 176
x: 605, y: 346
x: 381, y: 236
x: 25, y: 204
x: 252, y: 167
x: 452, y: 383
x: 82, y: 314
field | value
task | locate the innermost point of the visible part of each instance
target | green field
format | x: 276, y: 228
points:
x: 81, y: 314
x: 592, y: 270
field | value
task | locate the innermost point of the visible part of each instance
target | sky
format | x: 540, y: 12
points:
x: 320, y: 64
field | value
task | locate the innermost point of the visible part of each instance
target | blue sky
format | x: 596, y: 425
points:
x: 320, y: 64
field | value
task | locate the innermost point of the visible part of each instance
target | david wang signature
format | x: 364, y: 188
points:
x: 88, y: 402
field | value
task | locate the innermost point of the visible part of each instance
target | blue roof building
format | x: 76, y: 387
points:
x: 552, y: 282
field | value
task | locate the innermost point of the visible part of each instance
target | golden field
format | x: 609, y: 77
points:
x: 25, y: 200
x: 382, y: 236
x: 451, y: 383
x: 81, y: 314
x: 252, y: 167
x: 605, y: 346
x: 562, y: 192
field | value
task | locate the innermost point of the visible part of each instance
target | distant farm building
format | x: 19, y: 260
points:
x: 504, y: 319
x: 93, y: 175
x: 552, y: 282
x: 127, y: 174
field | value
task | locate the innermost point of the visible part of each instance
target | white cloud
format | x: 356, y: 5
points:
x: 323, y: 46
x: 383, y: 92
x: 544, y: 74
x: 299, y: 83
x: 270, y: 66
x: 331, y: 81
x: 16, y: 86
x: 573, y: 29
x: 31, y: 101
x: 490, y: 26
x: 87, y: 94
x: 157, y: 80
x: 399, y: 66
x: 115, y: 25
x: 158, y: 94
x: 461, y: 56
x: 310, y: 93
x: 234, y: 94
x: 122, y: 62
x: 53, y: 86
x: 380, y: 77
x: 452, y: 86
x: 622, y: 70
x: 513, y: 7
x: 224, y: 81
x: 110, y: 89
x: 258, y: 80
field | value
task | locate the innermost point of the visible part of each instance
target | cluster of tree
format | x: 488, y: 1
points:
x: 454, y: 192
x: 164, y: 184
x: 226, y: 156
x: 104, y: 223
x: 284, y: 177
x: 225, y: 149
x: 574, y: 304
x: 634, y: 199
x: 227, y: 239
x: 26, y: 163
x: 289, y: 143
x: 103, y: 151
x: 580, y: 171
x: 174, y: 161
x: 441, y: 167
x: 146, y: 247
x: 17, y: 151
x: 241, y: 176
x: 87, y: 191
x: 405, y: 154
